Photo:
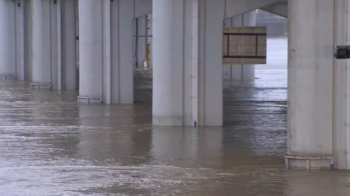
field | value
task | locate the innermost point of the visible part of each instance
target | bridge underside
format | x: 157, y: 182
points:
x: 279, y: 8
x: 40, y: 39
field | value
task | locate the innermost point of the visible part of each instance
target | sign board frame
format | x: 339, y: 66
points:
x: 244, y: 45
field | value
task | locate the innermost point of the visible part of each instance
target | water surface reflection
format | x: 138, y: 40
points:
x: 50, y: 145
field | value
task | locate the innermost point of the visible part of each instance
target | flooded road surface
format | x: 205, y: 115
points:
x: 50, y: 145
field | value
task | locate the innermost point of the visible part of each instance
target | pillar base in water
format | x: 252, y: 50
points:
x: 7, y: 77
x: 168, y: 121
x: 40, y: 86
x: 89, y: 100
x: 309, y: 162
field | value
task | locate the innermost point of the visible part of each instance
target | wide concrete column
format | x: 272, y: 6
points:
x: 167, y: 76
x: 122, y: 72
x: 7, y: 37
x: 41, y: 43
x: 240, y: 72
x: 105, y: 51
x: 48, y: 42
x: 90, y: 50
x: 310, y: 81
x: 68, y: 45
x: 187, y: 62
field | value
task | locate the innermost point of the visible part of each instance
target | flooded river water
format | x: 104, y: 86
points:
x: 50, y: 145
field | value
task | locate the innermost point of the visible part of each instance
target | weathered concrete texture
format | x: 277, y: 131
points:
x: 168, y: 64
x: 51, y: 55
x: 316, y: 90
x: 122, y: 14
x: 310, y: 82
x: 172, y: 63
x: 105, y: 52
x: 341, y: 90
x: 90, y: 48
x: 8, y: 39
x: 41, y: 41
x: 69, y: 57
x: 143, y: 7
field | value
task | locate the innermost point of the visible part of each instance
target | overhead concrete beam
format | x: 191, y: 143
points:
x: 143, y: 7
x: 237, y: 7
x: 280, y: 9
x: 233, y: 7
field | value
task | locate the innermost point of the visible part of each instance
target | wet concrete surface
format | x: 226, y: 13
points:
x: 50, y: 145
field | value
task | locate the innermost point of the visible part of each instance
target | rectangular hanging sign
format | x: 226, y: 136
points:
x: 244, y: 45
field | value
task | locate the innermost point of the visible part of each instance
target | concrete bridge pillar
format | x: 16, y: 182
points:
x: 41, y: 43
x: 7, y: 37
x: 52, y: 45
x: 68, y: 45
x: 105, y: 51
x: 90, y: 50
x: 318, y: 85
x: 187, y: 62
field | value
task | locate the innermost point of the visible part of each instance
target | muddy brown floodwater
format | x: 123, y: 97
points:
x: 50, y: 145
